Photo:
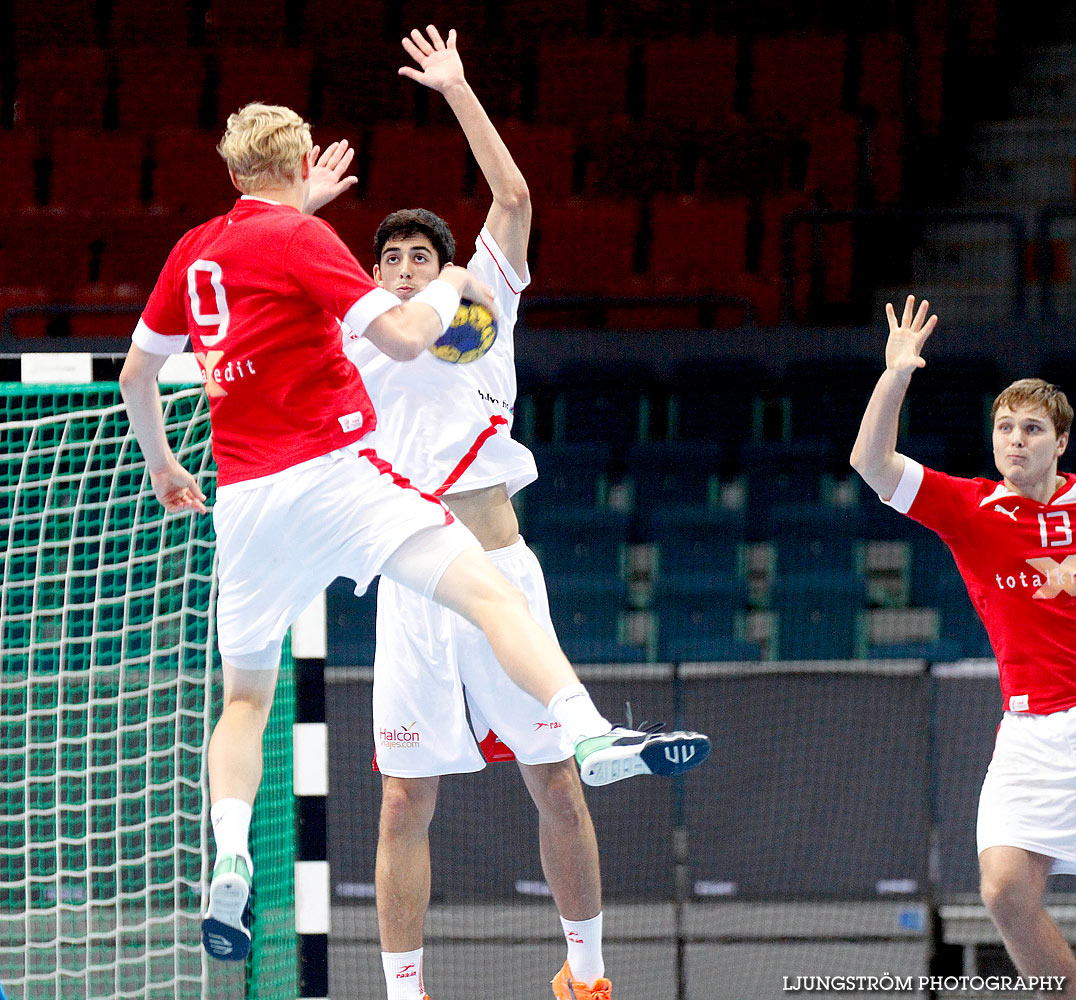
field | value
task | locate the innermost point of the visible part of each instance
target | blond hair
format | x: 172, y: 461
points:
x: 264, y: 146
x: 1036, y: 394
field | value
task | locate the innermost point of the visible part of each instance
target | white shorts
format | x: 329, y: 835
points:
x: 432, y: 668
x: 281, y: 542
x: 1028, y: 799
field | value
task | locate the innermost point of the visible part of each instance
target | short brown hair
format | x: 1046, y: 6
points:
x: 410, y: 222
x: 1038, y: 394
x: 264, y: 146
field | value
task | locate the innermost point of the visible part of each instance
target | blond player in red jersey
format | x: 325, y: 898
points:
x: 261, y: 293
x: 1013, y: 543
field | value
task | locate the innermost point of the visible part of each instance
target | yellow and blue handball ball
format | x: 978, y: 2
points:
x: 471, y: 334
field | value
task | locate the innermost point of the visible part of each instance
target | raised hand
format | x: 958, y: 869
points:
x: 903, y: 350
x: 327, y: 180
x: 439, y: 62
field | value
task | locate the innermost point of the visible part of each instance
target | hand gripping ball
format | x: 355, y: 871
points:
x: 471, y: 334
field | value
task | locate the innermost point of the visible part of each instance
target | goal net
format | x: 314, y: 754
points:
x: 106, y: 704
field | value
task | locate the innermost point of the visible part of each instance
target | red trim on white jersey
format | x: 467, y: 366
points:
x: 515, y: 291
x: 472, y: 453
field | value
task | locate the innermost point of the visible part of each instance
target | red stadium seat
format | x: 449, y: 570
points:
x: 546, y: 156
x: 636, y: 160
x: 135, y: 22
x: 47, y: 26
x: 582, y: 80
x: 833, y: 160
x: 585, y: 247
x: 20, y: 324
x: 544, y: 19
x: 236, y: 22
x: 61, y: 89
x: 466, y: 219
x: 189, y: 177
x: 95, y: 170
x: 775, y: 209
x: 328, y: 22
x: 45, y: 252
x: 690, y: 80
x: 797, y: 77
x: 355, y: 223
x: 881, y: 78
x: 104, y: 315
x: 19, y: 152
x: 696, y: 245
x: 700, y: 247
x: 410, y: 166
x: 649, y: 19
x: 273, y: 76
x: 931, y: 65
x: 360, y: 86
x: 832, y: 250
x: 746, y: 158
x: 133, y: 250
x: 885, y: 160
x: 159, y: 86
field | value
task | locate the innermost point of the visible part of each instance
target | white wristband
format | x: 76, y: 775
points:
x: 443, y: 298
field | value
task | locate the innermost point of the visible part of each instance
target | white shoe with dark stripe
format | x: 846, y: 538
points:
x: 225, y: 927
x: 623, y: 753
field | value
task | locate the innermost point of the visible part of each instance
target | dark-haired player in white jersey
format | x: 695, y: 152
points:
x: 448, y: 416
x: 1014, y: 545
x: 261, y: 293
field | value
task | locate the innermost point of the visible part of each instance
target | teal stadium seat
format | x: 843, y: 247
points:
x: 818, y: 616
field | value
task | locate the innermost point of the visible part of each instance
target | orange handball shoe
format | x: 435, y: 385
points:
x: 566, y: 988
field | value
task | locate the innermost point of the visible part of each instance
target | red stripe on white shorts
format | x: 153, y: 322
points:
x: 402, y: 481
x: 472, y: 453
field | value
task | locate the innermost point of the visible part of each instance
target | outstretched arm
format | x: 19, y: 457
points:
x: 874, y: 455
x: 440, y: 69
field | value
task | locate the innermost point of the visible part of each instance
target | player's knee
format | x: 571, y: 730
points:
x: 495, y: 600
x: 252, y: 700
x: 407, y: 807
x: 561, y: 795
x: 1005, y: 895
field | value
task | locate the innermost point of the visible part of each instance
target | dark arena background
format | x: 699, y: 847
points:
x: 726, y: 194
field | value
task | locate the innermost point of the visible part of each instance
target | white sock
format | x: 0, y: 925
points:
x: 584, y: 939
x: 231, y: 828
x: 403, y: 974
x: 572, y: 708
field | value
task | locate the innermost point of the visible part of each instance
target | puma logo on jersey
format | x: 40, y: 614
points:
x: 1007, y: 513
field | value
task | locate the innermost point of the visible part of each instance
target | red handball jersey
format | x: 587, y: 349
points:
x: 261, y: 291
x: 1018, y: 560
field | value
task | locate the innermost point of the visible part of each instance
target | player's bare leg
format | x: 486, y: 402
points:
x: 473, y: 588
x: 235, y: 748
x: 402, y: 875
x: 235, y: 771
x: 1013, y: 882
x: 569, y: 852
x: 569, y: 848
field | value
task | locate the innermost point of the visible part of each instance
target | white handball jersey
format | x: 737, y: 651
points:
x: 447, y: 415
